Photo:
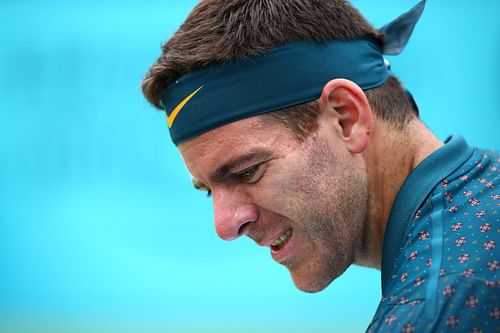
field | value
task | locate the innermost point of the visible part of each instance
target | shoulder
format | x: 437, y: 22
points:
x: 446, y: 275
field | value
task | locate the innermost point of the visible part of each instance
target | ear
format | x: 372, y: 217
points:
x: 351, y: 113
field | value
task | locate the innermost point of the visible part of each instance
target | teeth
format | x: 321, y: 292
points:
x: 281, y: 240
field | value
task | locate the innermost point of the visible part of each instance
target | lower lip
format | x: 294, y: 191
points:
x: 285, y: 252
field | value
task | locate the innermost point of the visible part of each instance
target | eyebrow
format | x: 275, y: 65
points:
x: 239, y: 162
x: 222, y: 172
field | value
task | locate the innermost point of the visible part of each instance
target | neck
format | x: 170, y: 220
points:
x: 390, y: 157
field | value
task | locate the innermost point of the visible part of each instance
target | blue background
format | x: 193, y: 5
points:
x: 100, y: 230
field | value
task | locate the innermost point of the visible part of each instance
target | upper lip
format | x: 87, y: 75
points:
x: 269, y: 240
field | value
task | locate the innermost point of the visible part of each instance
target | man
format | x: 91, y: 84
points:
x: 286, y: 113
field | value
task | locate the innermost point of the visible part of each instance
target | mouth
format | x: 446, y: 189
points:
x: 281, y: 241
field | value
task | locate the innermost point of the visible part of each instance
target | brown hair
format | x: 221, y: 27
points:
x: 217, y: 31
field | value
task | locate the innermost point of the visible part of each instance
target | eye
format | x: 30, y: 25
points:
x: 201, y: 187
x: 252, y: 174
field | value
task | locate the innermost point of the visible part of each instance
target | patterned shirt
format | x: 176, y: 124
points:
x: 441, y: 260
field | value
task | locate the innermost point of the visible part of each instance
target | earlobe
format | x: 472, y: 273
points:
x: 350, y: 108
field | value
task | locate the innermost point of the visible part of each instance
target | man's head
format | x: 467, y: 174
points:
x: 293, y: 179
x: 218, y: 31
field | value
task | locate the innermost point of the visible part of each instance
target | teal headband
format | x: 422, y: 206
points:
x: 285, y: 76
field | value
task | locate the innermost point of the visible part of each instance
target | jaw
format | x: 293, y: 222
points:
x: 313, y: 277
x: 320, y: 262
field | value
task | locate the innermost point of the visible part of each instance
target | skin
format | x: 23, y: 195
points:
x: 334, y: 190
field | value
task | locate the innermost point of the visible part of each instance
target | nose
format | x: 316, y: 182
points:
x: 233, y: 214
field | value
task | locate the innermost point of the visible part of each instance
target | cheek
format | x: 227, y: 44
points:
x: 322, y: 189
x: 287, y: 191
x: 274, y: 191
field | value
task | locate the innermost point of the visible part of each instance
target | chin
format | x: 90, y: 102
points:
x: 311, y: 284
x: 316, y: 277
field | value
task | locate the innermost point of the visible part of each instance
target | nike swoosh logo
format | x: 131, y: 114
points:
x: 178, y: 108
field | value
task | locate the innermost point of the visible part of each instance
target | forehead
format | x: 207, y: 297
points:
x: 235, y: 139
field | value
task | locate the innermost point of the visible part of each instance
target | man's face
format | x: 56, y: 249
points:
x: 307, y: 201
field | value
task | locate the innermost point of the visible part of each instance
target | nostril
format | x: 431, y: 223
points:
x: 243, y: 230
x: 232, y: 219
